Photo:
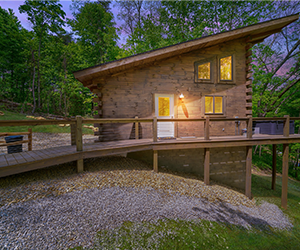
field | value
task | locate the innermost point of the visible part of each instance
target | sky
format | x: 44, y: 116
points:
x: 14, y: 5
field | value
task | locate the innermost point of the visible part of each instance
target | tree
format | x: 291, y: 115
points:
x: 96, y: 31
x: 178, y: 21
x: 276, y: 79
x: 12, y: 44
x: 45, y: 16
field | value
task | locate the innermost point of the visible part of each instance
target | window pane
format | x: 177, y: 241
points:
x: 209, y: 104
x: 163, y: 106
x: 204, y: 71
x: 225, y: 68
x: 218, y: 104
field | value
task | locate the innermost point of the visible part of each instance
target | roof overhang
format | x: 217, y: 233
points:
x: 254, y: 33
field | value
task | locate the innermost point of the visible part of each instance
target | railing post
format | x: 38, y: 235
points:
x: 136, y: 129
x: 249, y: 128
x: 155, y: 129
x: 73, y: 134
x: 286, y: 126
x: 78, y: 133
x: 79, y: 141
x: 30, y: 139
x: 206, y: 128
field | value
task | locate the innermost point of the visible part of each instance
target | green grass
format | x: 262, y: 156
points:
x: 40, y: 128
x: 179, y: 234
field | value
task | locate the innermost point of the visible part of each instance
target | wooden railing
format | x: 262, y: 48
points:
x: 29, y: 140
x: 76, y: 125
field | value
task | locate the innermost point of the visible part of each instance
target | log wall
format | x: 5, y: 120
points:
x: 131, y: 93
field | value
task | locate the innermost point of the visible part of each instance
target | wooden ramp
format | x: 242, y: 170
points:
x: 31, y: 160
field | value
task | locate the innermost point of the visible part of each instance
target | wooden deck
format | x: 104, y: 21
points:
x: 37, y: 159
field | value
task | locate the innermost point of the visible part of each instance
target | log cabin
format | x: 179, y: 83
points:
x: 209, y: 76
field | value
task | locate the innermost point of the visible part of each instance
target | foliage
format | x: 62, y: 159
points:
x: 36, y: 129
x: 276, y: 78
x: 264, y: 161
x: 45, y: 16
x: 12, y: 70
x: 96, y: 31
x: 170, y: 22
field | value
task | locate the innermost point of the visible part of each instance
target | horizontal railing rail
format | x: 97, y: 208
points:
x: 29, y: 140
x: 76, y: 125
x: 34, y: 122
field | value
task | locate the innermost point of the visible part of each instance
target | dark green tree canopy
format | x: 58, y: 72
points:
x: 96, y: 31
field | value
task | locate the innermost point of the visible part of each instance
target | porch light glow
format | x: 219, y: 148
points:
x: 181, y: 96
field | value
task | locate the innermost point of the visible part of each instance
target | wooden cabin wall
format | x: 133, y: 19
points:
x: 131, y: 93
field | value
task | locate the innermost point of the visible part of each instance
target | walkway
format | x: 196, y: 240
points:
x: 37, y: 159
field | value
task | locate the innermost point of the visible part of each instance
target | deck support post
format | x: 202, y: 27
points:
x: 285, y: 171
x: 30, y: 139
x: 79, y: 141
x: 248, y: 171
x: 79, y: 165
x: 206, y: 128
x: 206, y: 165
x: 155, y: 161
x: 274, y: 167
x: 154, y: 128
x: 136, y: 129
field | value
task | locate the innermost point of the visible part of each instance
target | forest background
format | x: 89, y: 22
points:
x: 36, y: 65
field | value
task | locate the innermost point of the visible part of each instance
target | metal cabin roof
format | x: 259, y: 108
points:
x: 255, y: 33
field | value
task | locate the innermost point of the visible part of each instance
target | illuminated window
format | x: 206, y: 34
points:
x: 163, y: 106
x: 213, y: 105
x: 204, y: 71
x: 226, y: 68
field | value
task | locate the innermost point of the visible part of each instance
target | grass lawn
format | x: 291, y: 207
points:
x: 40, y: 128
x: 178, y: 234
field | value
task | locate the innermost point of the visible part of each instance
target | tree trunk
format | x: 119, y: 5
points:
x: 33, y: 78
x: 260, y: 151
x: 39, y: 75
x: 59, y: 105
x: 65, y: 102
x: 65, y: 80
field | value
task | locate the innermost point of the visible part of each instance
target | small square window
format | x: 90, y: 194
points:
x: 204, y: 71
x: 226, y: 68
x: 214, y: 105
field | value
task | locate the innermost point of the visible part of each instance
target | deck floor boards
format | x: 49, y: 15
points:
x: 3, y: 162
x: 55, y: 155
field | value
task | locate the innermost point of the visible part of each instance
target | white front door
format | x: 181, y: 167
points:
x: 164, y: 109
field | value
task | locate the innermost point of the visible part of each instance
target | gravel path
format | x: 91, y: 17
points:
x: 73, y: 219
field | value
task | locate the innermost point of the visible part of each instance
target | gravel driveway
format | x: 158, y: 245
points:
x: 56, y: 208
x: 73, y: 219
